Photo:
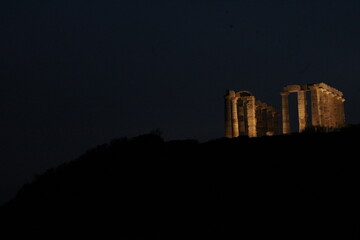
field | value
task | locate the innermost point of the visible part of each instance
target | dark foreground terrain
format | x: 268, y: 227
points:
x: 301, y: 186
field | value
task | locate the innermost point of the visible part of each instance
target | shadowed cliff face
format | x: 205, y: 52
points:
x: 289, y: 187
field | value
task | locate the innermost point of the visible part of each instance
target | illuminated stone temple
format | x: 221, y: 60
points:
x: 327, y: 106
x: 247, y: 116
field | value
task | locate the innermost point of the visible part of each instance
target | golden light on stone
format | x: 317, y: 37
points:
x: 247, y: 116
x: 327, y: 106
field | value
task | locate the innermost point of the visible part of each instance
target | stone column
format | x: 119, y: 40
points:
x: 334, y: 112
x: 285, y: 112
x: 325, y: 108
x: 246, y: 117
x: 228, y: 112
x: 251, y: 116
x: 329, y: 109
x: 322, y: 102
x: 302, y: 110
x: 342, y: 112
x: 234, y: 115
x: 315, y: 106
x: 339, y: 112
x: 241, y: 117
x: 259, y: 119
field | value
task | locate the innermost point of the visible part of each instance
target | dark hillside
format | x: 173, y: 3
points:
x: 301, y: 186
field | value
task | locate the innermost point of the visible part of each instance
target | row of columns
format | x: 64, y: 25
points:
x: 246, y: 116
x: 327, y: 106
x: 267, y: 119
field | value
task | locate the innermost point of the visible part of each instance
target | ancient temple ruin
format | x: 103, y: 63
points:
x: 327, y: 106
x: 246, y: 116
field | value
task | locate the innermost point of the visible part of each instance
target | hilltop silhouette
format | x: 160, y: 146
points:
x: 299, y: 186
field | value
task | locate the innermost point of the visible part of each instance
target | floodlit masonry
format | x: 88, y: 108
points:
x: 327, y: 106
x: 246, y: 116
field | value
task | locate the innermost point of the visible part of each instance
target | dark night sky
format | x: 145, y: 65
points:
x: 78, y: 73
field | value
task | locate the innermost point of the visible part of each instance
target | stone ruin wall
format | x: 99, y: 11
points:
x: 327, y: 106
x: 247, y: 116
